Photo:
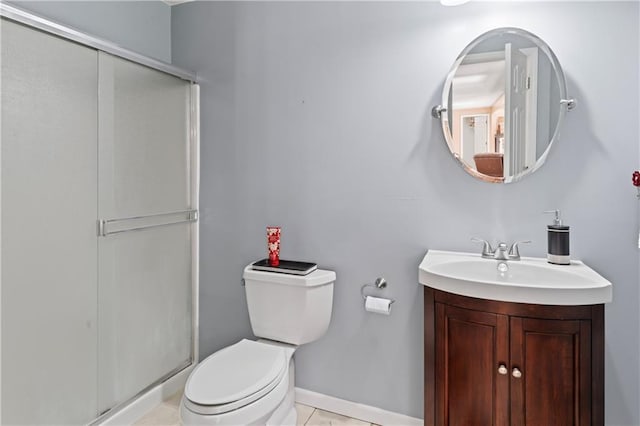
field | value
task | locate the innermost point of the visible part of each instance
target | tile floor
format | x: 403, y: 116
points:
x: 166, y: 414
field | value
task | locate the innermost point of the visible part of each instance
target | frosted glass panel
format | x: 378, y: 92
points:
x: 49, y: 242
x: 145, y: 309
x: 143, y: 140
x: 144, y: 280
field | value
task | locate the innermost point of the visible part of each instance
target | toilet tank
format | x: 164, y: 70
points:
x: 289, y: 308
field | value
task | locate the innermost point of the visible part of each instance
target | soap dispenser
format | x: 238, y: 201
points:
x: 558, y: 241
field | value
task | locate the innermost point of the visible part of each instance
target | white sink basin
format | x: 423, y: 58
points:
x: 529, y: 280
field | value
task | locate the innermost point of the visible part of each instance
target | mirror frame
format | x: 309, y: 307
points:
x: 440, y: 111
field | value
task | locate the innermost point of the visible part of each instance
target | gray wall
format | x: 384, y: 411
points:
x: 141, y: 26
x: 315, y: 117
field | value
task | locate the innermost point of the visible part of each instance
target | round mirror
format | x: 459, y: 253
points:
x: 503, y: 104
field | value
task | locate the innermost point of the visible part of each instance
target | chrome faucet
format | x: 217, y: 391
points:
x: 501, y: 252
x: 487, y: 251
x: 514, y: 252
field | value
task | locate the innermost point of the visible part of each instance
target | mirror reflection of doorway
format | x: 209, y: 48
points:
x: 503, y: 85
x: 474, y: 133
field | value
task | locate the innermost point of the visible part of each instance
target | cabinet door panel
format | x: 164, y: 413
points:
x: 470, y: 346
x: 554, y: 358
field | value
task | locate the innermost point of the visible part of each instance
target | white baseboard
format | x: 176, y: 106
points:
x: 355, y: 410
x: 147, y: 402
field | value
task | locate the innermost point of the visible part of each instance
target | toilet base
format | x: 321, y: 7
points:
x: 285, y: 414
x: 291, y: 419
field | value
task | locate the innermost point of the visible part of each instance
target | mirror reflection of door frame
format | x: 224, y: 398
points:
x: 517, y: 160
x: 515, y: 127
x: 532, y: 105
x: 487, y: 116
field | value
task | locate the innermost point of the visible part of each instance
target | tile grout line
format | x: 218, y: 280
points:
x: 306, y: 422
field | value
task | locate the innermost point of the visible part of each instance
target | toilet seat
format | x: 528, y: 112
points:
x: 235, y: 377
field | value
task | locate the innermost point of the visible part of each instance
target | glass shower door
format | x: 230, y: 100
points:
x: 48, y: 229
x: 145, y: 250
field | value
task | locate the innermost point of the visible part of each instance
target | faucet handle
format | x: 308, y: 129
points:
x: 487, y: 251
x: 514, y: 252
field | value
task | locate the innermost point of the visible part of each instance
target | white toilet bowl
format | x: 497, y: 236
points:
x: 252, y: 382
x: 248, y: 383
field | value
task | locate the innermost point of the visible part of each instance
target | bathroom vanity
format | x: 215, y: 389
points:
x: 500, y: 363
x: 506, y: 360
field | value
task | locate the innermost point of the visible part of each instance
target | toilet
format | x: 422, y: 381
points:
x: 252, y: 382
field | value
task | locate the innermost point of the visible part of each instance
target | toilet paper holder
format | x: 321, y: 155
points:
x: 379, y: 284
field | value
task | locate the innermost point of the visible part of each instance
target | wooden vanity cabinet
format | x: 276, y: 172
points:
x: 501, y: 363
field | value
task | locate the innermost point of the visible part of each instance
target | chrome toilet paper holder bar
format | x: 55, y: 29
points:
x: 379, y: 284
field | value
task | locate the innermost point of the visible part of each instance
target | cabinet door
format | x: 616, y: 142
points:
x: 470, y: 348
x: 554, y: 361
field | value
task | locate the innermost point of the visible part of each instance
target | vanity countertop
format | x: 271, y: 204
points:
x: 529, y: 280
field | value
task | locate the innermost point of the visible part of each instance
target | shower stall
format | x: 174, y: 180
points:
x: 98, y: 229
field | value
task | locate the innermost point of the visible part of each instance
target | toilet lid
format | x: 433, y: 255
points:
x: 236, y: 373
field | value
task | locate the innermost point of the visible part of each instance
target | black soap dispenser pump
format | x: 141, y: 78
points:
x: 558, y: 241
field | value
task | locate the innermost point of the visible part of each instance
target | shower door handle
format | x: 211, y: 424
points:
x: 140, y: 223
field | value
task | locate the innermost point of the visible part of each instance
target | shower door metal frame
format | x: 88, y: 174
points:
x: 18, y: 15
x: 28, y: 19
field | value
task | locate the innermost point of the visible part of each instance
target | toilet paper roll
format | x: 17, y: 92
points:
x: 377, y: 305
